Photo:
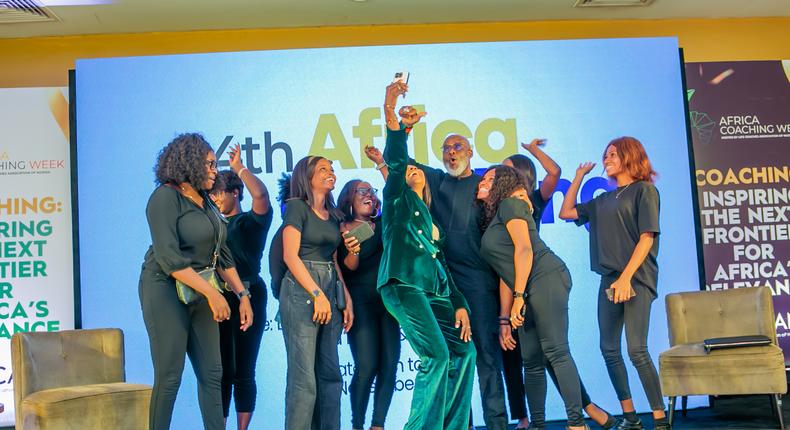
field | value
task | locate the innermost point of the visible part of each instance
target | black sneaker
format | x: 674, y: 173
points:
x: 662, y: 426
x: 625, y: 424
x: 610, y: 422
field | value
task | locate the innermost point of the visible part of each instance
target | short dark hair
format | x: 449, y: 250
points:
x: 183, y: 160
x: 300, y: 184
x: 524, y: 164
x: 228, y: 181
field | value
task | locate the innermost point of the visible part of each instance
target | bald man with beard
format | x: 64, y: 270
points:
x: 454, y: 208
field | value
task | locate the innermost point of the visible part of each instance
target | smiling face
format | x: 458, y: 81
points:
x: 211, y: 170
x: 323, y: 179
x: 484, y: 186
x: 364, y: 202
x: 415, y: 178
x: 456, y: 153
x: 612, y: 162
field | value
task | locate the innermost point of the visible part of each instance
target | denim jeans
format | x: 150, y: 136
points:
x: 313, y: 380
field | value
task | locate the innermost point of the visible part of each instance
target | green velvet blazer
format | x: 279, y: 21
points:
x: 410, y: 256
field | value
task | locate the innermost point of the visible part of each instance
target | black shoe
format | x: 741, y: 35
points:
x: 662, y: 426
x: 610, y: 422
x: 624, y: 424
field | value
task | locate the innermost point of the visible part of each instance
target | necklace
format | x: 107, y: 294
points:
x: 186, y: 194
x: 617, y: 196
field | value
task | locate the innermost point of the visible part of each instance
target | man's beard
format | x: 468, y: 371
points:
x: 458, y: 171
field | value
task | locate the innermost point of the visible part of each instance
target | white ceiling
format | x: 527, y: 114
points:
x: 140, y: 16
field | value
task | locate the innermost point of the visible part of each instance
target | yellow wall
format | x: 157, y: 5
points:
x: 34, y: 62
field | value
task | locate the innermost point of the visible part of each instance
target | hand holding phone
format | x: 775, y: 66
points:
x: 362, y: 232
x: 401, y: 77
x: 610, y: 294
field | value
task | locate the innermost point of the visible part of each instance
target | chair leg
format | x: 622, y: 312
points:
x: 778, y: 403
x: 671, y: 410
x: 683, y: 403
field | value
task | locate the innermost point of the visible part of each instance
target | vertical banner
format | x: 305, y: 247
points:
x: 740, y: 119
x: 36, y: 254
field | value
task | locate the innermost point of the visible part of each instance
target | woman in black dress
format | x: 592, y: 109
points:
x: 375, y: 337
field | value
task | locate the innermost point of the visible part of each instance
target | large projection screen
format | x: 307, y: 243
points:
x: 283, y: 105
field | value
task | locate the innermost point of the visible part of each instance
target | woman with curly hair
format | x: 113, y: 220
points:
x: 623, y: 250
x: 417, y: 289
x: 375, y: 337
x: 247, y: 231
x: 314, y: 303
x: 540, y: 285
x: 188, y: 236
x: 513, y: 367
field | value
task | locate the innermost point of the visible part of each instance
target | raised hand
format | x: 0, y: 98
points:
x: 409, y: 116
x: 235, y: 159
x: 533, y: 144
x: 584, y: 168
x: 374, y: 154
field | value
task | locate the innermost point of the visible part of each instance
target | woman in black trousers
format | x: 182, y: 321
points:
x: 247, y: 233
x: 187, y: 236
x: 540, y: 285
x: 624, y: 234
x: 375, y: 337
x: 513, y: 368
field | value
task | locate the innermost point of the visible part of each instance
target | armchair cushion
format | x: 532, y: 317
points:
x: 115, y: 405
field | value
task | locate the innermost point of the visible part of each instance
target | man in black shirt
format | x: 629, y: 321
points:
x: 454, y: 208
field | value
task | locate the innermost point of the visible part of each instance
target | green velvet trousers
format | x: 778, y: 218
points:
x: 443, y: 387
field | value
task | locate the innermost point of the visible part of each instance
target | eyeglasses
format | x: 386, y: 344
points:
x: 211, y: 164
x: 458, y: 147
x: 365, y: 191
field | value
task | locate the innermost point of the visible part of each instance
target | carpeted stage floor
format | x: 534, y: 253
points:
x: 742, y: 412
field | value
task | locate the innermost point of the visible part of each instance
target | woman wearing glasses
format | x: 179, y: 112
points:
x: 375, y: 337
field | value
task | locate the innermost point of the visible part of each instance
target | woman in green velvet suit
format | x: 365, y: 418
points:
x: 417, y: 289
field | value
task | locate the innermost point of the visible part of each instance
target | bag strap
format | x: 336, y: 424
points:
x: 218, y: 217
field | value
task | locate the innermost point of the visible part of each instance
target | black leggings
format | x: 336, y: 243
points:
x: 240, y: 350
x: 634, y: 315
x: 375, y: 345
x: 545, y: 334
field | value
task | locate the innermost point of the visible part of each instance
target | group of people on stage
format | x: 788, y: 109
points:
x: 451, y: 259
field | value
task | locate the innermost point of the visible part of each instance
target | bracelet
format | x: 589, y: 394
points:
x: 389, y: 106
x: 381, y: 165
x: 244, y: 292
x: 240, y: 171
x: 507, y: 323
x: 503, y: 318
x: 521, y: 294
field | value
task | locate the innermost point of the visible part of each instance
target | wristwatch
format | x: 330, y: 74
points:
x: 522, y: 294
x: 244, y: 292
x: 381, y: 165
x: 316, y: 292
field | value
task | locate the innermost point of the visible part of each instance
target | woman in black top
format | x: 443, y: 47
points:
x: 375, y: 337
x: 185, y: 226
x: 247, y: 233
x: 623, y: 250
x: 539, y: 196
x: 540, y: 284
x: 314, y: 304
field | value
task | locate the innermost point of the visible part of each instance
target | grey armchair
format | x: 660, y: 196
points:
x: 686, y: 369
x: 75, y: 380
